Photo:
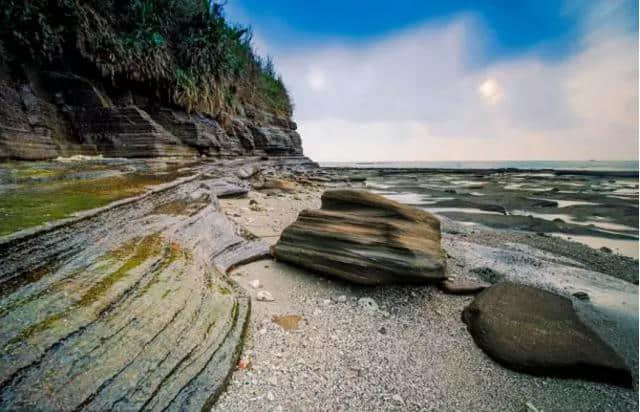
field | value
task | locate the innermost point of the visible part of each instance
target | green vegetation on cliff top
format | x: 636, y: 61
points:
x: 182, y: 52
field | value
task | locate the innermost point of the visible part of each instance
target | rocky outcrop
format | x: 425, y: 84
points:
x: 366, y: 239
x: 535, y: 331
x: 127, y: 132
x: 127, y: 306
x: 44, y: 115
x: 30, y: 127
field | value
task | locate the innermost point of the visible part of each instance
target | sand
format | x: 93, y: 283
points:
x: 413, y: 352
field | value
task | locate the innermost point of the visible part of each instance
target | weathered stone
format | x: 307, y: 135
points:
x: 535, y: 331
x: 127, y: 306
x: 127, y: 132
x: 229, y: 186
x: 62, y: 114
x: 365, y: 238
x: 462, y: 286
x: 27, y: 124
x: 278, y: 184
x: 201, y: 132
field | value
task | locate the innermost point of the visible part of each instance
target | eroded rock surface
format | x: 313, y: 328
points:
x: 535, y: 331
x: 366, y: 239
x: 126, y: 307
x: 44, y: 115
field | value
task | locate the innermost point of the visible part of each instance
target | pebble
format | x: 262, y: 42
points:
x: 368, y: 304
x: 255, y: 284
x: 342, y: 298
x: 264, y: 296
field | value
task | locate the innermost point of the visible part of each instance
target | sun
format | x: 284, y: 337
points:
x: 491, y: 91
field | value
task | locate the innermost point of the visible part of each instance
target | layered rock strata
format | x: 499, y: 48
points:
x: 44, y: 115
x: 127, y: 306
x: 366, y: 239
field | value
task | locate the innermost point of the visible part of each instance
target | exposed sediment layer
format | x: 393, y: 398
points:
x: 44, y: 115
x: 366, y: 239
x: 127, y: 307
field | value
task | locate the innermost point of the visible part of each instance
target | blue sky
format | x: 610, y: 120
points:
x: 462, y: 74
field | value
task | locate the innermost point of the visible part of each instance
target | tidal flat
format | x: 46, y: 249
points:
x: 599, y: 210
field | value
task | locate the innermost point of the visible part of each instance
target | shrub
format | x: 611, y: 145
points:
x: 181, y: 51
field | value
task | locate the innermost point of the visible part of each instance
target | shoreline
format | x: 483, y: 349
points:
x: 425, y: 170
x: 413, y: 353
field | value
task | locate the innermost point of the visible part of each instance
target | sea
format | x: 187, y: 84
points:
x: 601, y: 165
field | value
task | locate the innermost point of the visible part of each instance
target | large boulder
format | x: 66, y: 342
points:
x: 365, y: 238
x: 535, y: 331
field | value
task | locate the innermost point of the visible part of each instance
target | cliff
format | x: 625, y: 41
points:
x: 140, y: 79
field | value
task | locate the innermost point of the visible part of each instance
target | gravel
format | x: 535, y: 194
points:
x: 404, y: 348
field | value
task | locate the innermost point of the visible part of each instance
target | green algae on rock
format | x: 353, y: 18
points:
x: 33, y: 203
x: 127, y: 307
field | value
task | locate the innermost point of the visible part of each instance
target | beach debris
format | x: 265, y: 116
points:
x: 398, y: 398
x: 264, y: 296
x: 462, y: 286
x: 487, y: 274
x: 368, y: 304
x: 287, y: 322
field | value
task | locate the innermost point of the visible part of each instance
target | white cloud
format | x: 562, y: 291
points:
x: 415, y: 95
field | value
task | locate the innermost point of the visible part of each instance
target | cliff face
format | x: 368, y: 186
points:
x: 45, y: 114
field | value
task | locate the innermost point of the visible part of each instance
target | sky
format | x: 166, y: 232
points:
x: 455, y: 80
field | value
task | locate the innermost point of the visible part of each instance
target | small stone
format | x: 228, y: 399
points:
x: 342, y: 298
x: 581, y: 295
x: 383, y: 330
x: 270, y: 397
x: 528, y: 407
x: 255, y: 284
x: 368, y: 304
x: 326, y: 302
x: 264, y: 296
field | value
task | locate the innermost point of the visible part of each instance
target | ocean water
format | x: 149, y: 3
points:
x: 625, y: 165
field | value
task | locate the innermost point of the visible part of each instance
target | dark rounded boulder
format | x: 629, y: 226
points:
x: 531, y: 330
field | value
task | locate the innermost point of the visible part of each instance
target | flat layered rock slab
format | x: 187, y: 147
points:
x: 366, y: 239
x: 538, y: 332
x: 126, y: 309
